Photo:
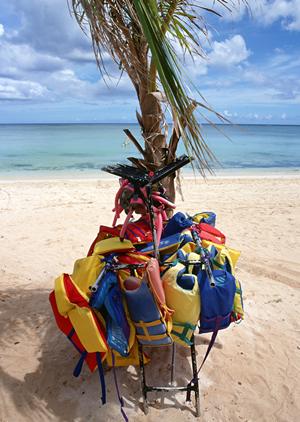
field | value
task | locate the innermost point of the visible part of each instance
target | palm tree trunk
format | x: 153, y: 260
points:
x: 156, y: 149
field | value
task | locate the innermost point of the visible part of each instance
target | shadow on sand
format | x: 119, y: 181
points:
x: 38, y: 361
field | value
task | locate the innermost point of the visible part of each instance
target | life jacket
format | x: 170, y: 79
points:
x: 210, y: 233
x: 217, y: 301
x: 139, y: 231
x: 207, y: 217
x: 108, y: 298
x: 186, y: 246
x: 86, y: 271
x: 105, y: 232
x: 83, y: 327
x: 221, y: 258
x: 182, y: 295
x: 112, y: 245
x: 150, y: 318
x: 177, y: 223
x: 65, y: 325
x: 131, y: 359
x: 73, y: 303
x: 233, y: 253
x: 169, y: 246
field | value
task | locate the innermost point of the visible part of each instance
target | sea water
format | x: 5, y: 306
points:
x: 80, y: 150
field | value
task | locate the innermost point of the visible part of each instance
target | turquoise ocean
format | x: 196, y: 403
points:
x: 80, y: 150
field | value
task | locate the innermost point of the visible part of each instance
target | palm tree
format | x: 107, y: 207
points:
x: 141, y: 37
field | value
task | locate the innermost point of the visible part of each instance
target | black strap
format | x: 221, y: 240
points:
x: 210, y: 346
x: 117, y: 388
x: 211, y: 343
x: 101, y: 376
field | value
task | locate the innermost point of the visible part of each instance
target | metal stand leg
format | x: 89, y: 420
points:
x: 143, y: 379
x: 195, y: 377
x: 191, y: 386
x: 173, y: 363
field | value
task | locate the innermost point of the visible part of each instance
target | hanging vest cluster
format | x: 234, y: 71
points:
x: 119, y: 295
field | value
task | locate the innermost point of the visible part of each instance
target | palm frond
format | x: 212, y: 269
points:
x: 170, y: 76
x: 127, y: 30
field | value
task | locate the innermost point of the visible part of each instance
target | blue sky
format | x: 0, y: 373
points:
x: 48, y: 74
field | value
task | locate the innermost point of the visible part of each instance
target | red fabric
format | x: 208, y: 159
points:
x: 134, y: 258
x: 104, y: 233
x: 64, y: 324
x: 210, y: 233
x: 75, y: 297
x: 139, y: 231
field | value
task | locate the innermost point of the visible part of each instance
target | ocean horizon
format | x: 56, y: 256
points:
x: 72, y: 150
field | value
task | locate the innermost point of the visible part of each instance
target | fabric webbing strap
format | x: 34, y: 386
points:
x: 183, y: 335
x: 78, y: 367
x: 144, y: 326
x: 83, y: 354
x: 211, y: 343
x: 102, y: 379
x: 117, y: 388
x: 70, y: 335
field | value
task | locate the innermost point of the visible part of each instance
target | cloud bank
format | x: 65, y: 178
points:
x: 47, y: 60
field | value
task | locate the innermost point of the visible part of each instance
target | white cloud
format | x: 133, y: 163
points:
x: 255, y: 76
x: 267, y: 12
x: 229, y: 52
x: 46, y: 58
x: 288, y: 11
x: 16, y: 59
x: 21, y: 90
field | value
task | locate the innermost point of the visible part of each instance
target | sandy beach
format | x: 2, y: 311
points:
x: 253, y: 371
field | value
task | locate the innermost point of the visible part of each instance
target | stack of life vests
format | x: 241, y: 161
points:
x: 119, y: 295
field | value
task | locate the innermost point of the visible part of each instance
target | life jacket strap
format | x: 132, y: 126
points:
x: 217, y: 264
x: 117, y: 388
x: 78, y: 367
x: 187, y: 331
x: 211, y: 343
x: 83, y: 354
x: 150, y: 338
x: 101, y: 376
x: 147, y: 336
x: 70, y: 335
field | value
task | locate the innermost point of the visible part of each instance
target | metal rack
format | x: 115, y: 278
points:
x: 192, y: 386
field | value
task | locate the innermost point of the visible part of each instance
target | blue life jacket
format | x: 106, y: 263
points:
x: 108, y: 299
x: 151, y: 329
x: 217, y: 301
x: 177, y: 224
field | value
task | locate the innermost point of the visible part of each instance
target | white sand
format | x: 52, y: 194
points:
x: 253, y: 371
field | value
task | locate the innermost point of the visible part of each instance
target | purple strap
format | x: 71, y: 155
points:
x: 211, y: 343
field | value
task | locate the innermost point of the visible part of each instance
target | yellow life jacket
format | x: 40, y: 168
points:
x: 131, y: 359
x: 113, y: 244
x: 184, y: 302
x: 86, y: 271
x: 74, y: 304
x: 233, y: 253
